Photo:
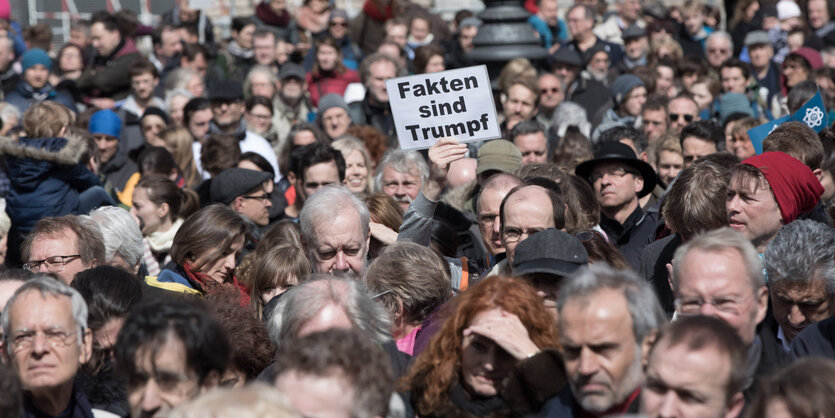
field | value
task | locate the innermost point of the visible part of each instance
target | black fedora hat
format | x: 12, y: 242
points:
x: 616, y: 151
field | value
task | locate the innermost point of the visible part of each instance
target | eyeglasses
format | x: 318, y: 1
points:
x: 24, y: 340
x: 512, y: 234
x: 54, y: 264
x: 612, y: 172
x: 343, y: 24
x: 724, y: 304
x: 675, y: 116
x: 262, y: 197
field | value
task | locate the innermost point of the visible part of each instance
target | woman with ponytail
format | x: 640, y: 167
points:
x: 160, y: 208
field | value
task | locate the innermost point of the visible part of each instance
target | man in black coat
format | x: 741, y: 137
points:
x: 619, y: 179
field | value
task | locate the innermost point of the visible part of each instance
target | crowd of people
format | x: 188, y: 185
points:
x: 228, y: 227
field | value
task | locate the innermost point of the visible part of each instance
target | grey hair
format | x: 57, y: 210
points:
x: 722, y: 239
x: 326, y: 204
x: 723, y: 35
x: 802, y: 253
x: 570, y: 114
x: 303, y: 302
x: 47, y: 285
x: 8, y: 111
x: 258, y: 69
x: 179, y: 78
x: 169, y: 96
x: 643, y: 305
x: 121, y: 234
x: 402, y: 161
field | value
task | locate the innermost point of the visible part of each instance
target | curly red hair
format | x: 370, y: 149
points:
x: 435, y: 371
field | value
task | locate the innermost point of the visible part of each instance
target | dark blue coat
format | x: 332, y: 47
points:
x: 22, y: 97
x: 46, y: 178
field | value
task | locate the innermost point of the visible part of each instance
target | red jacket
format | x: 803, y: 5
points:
x: 319, y: 84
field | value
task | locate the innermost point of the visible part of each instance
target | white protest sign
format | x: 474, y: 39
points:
x: 428, y: 107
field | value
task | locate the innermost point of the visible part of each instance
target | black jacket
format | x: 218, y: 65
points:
x: 632, y: 236
x: 379, y: 116
x: 654, y: 261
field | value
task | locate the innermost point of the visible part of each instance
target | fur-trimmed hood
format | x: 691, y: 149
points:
x: 64, y: 151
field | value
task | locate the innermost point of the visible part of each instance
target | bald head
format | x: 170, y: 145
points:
x: 488, y: 205
x: 525, y: 211
x: 462, y: 172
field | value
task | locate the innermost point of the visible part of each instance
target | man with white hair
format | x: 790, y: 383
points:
x: 122, y: 237
x: 401, y: 174
x: 47, y: 340
x: 335, y: 231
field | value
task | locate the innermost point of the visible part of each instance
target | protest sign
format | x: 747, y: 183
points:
x: 457, y: 103
x: 812, y: 113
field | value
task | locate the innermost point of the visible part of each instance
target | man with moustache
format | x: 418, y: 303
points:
x: 401, y: 174
x: 290, y: 104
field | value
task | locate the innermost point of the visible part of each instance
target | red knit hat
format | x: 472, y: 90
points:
x: 795, y: 187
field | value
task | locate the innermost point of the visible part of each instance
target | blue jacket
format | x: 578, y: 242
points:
x: 23, y: 96
x: 46, y: 177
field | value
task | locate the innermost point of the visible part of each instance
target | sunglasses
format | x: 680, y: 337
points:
x: 675, y: 116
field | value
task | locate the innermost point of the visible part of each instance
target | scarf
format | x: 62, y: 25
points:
x: 8, y: 73
x: 411, y: 41
x: 373, y: 11
x: 209, y: 285
x: 237, y: 51
x: 161, y: 240
x: 40, y: 94
x: 308, y: 20
x: 478, y: 407
x: 268, y: 15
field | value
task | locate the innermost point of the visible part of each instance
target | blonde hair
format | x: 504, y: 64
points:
x: 669, y: 142
x: 47, y: 119
x: 178, y: 141
x: 517, y: 68
x: 347, y: 145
